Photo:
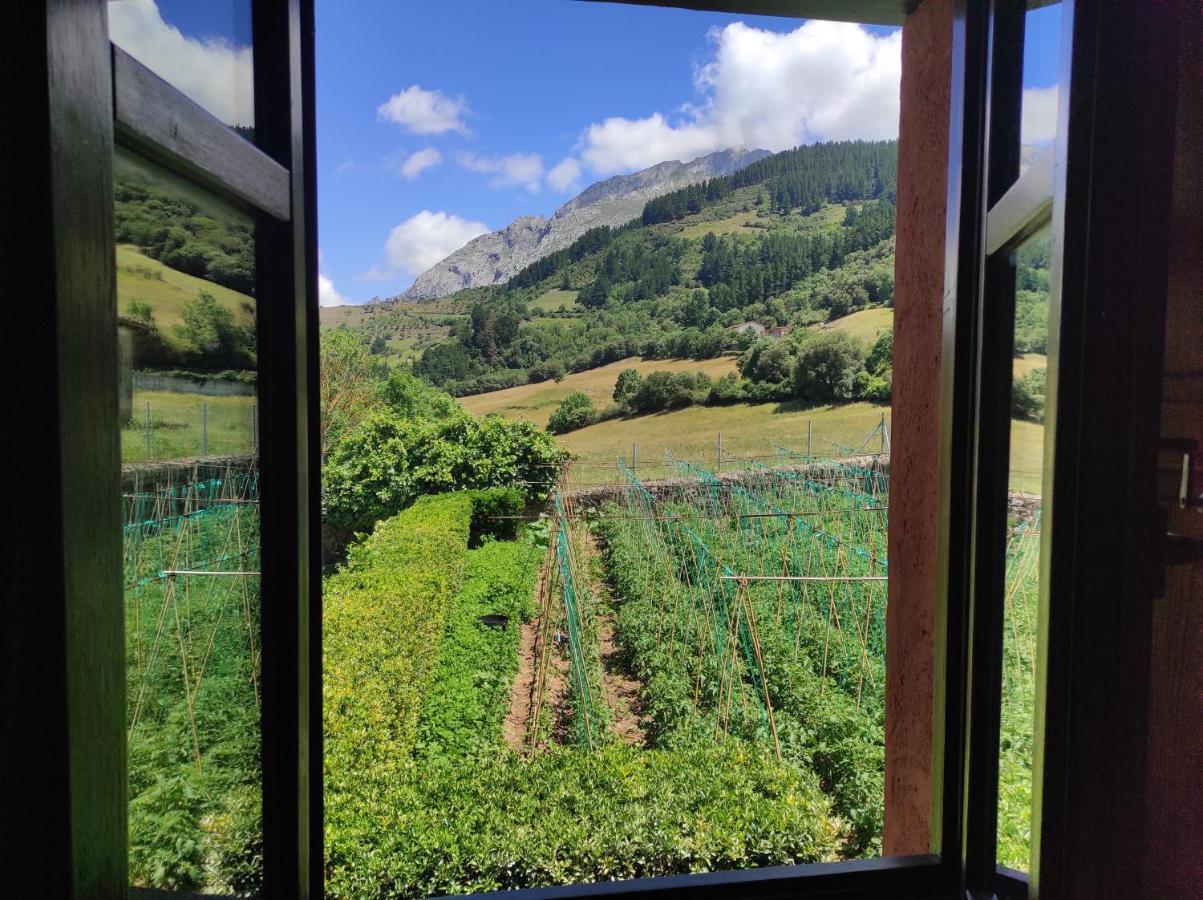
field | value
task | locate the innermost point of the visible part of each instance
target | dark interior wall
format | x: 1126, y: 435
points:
x: 1173, y: 864
x: 918, y: 301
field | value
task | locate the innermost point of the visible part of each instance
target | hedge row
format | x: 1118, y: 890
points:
x: 571, y: 816
x: 469, y: 691
x: 383, y: 618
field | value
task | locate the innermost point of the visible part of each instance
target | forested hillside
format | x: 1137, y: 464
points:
x: 794, y: 240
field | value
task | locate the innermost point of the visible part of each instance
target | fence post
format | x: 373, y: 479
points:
x: 147, y: 421
x: 254, y: 430
x: 634, y: 456
x: 718, y: 454
x: 810, y: 440
x: 883, y: 435
x: 204, y: 435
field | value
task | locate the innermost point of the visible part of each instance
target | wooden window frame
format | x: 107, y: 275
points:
x: 62, y: 766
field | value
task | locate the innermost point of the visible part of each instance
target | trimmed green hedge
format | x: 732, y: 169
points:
x: 469, y: 692
x: 572, y: 816
x: 383, y: 618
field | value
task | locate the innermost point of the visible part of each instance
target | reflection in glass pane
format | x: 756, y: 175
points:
x: 1023, y: 554
x: 203, y: 49
x: 191, y: 532
x: 1041, y: 58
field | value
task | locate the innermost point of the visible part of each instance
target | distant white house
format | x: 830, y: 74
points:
x: 754, y: 327
x: 779, y: 332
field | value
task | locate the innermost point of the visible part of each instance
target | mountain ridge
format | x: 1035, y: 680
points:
x: 495, y: 257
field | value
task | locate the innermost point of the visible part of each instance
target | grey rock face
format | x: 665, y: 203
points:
x: 496, y: 257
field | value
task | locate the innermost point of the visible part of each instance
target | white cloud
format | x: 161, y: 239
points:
x: 327, y: 295
x: 425, y: 112
x: 524, y: 169
x: 414, y: 164
x: 424, y: 239
x: 765, y: 89
x: 376, y: 274
x: 1038, y: 122
x: 214, y: 72
x: 565, y: 175
x: 345, y: 166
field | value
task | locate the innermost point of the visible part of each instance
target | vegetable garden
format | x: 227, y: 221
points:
x: 747, y: 609
x: 191, y: 547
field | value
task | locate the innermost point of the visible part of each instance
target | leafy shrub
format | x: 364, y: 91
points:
x: 469, y: 690
x: 774, y: 364
x: 386, y: 462
x: 575, y: 411
x: 547, y: 371
x: 873, y: 387
x: 669, y: 390
x: 827, y: 367
x: 213, y: 338
x: 350, y: 384
x: 728, y: 389
x: 1027, y: 396
x: 165, y: 844
x: 626, y: 385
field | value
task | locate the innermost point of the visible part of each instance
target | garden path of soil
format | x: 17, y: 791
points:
x: 522, y: 700
x: 620, y: 690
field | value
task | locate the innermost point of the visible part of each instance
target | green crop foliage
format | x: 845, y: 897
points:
x: 819, y: 727
x: 469, y: 692
x: 192, y: 697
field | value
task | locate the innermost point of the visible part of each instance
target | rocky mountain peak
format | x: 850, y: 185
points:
x: 496, y: 257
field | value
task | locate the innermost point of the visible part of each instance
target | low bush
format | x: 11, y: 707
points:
x: 469, y: 690
x: 575, y: 411
x: 661, y: 391
x: 1027, y: 396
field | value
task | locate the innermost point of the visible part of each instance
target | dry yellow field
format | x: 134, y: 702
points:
x: 1029, y: 361
x: 537, y: 401
x: 866, y: 324
x: 750, y: 434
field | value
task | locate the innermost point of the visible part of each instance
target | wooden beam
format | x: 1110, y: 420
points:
x: 867, y: 12
x: 62, y: 642
x: 919, y: 288
x: 163, y: 124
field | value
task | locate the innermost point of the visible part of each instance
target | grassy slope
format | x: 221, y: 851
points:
x: 747, y: 430
x: 1029, y: 361
x: 865, y: 324
x: 175, y: 426
x: 553, y: 300
x: 149, y: 281
x: 536, y: 401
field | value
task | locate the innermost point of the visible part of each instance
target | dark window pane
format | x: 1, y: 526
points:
x: 1022, y: 593
x: 185, y: 273
x: 1041, y: 59
x: 201, y: 48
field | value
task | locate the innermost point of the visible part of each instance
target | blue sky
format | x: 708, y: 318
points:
x: 437, y: 121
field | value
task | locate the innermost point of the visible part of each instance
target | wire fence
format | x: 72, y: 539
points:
x: 183, y: 426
